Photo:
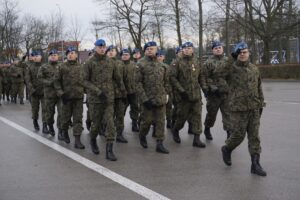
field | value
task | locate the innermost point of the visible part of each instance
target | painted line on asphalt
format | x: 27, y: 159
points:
x: 131, y: 185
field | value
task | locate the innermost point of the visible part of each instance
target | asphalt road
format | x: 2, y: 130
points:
x: 30, y: 170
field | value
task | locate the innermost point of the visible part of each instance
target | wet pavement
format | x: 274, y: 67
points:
x: 29, y: 170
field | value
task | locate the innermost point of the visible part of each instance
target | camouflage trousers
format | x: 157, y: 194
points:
x: 17, y: 90
x: 73, y: 108
x: 36, y: 101
x: 169, y: 109
x: 50, y: 111
x: 212, y: 106
x: 119, y: 114
x: 154, y: 116
x: 6, y: 87
x: 241, y: 123
x: 132, y: 101
x: 102, y: 113
x: 191, y: 112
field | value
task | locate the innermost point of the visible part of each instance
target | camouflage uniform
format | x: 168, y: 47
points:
x: 69, y: 85
x: 100, y: 75
x: 169, y: 107
x: 120, y: 99
x: 216, y: 101
x: 245, y: 100
x: 187, y: 77
x: 17, y: 73
x: 152, y: 85
x: 47, y: 74
x: 130, y: 85
x: 6, y: 83
x: 35, y: 87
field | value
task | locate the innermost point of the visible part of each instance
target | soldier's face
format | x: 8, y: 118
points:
x: 112, y: 53
x: 37, y: 58
x: 30, y: 58
x: 188, y: 51
x: 137, y: 55
x: 244, y: 55
x: 151, y: 51
x: 161, y: 58
x: 53, y: 57
x: 218, y: 51
x: 125, y: 56
x: 72, y: 56
x: 100, y: 50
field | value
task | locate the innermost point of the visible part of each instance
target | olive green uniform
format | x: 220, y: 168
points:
x: 17, y: 72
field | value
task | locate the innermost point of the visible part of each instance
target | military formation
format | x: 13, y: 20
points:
x: 158, y: 94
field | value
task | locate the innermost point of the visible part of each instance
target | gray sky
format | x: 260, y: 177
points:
x: 85, y: 10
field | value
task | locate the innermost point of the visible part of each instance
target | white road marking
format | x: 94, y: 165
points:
x: 131, y: 185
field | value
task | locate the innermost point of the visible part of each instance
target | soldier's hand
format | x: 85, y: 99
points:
x: 184, y: 95
x: 148, y: 104
x: 103, y: 96
x: 261, y: 110
x: 64, y: 98
x: 19, y: 76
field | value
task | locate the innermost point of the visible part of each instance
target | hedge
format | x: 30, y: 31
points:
x: 280, y: 71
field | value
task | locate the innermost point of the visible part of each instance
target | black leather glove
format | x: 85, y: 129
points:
x: 103, y: 96
x: 19, y: 76
x: 205, y: 92
x: 234, y: 55
x: 148, y: 104
x: 64, y: 99
x: 184, y: 95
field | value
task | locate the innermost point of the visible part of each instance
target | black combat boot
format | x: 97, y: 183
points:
x: 60, y: 135
x: 160, y: 147
x: 207, y: 133
x: 78, y: 144
x: 255, y: 166
x: 176, y: 136
x: 88, y: 124
x: 36, y: 125
x: 21, y: 101
x: 51, y: 130
x: 226, y: 152
x: 143, y: 141
x: 109, y: 152
x: 197, y: 142
x: 154, y: 130
x: 135, y: 127
x: 228, y: 134
x: 120, y: 138
x: 7, y: 97
x: 66, y: 136
x: 169, y: 123
x: 45, y: 128
x: 94, y: 146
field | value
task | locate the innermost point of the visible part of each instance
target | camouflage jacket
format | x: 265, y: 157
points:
x: 101, y: 75
x: 6, y: 79
x: 34, y: 84
x: 213, y: 64
x: 187, y: 76
x: 245, y: 89
x: 152, y: 81
x: 17, y: 73
x: 68, y: 80
x: 130, y: 77
x: 120, y: 92
x: 47, y: 73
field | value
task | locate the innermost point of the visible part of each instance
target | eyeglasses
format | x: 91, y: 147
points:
x: 244, y: 52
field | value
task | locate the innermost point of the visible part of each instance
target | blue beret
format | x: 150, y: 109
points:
x: 53, y: 51
x: 70, y: 49
x: 110, y: 47
x: 161, y: 53
x: 187, y: 44
x: 149, y: 44
x: 100, y: 43
x: 136, y: 50
x: 124, y: 51
x: 36, y: 53
x: 178, y: 49
x: 216, y: 43
x: 240, y: 46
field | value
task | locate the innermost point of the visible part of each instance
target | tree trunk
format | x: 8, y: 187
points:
x: 266, y: 56
x: 227, y: 28
x: 200, y: 30
x: 177, y: 19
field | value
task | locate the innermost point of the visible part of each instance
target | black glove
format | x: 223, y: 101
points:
x: 205, y: 92
x: 103, y: 96
x: 184, y: 96
x: 19, y: 76
x: 261, y: 110
x: 64, y: 98
x: 148, y: 104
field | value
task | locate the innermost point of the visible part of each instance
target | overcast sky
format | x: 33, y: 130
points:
x: 86, y: 10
